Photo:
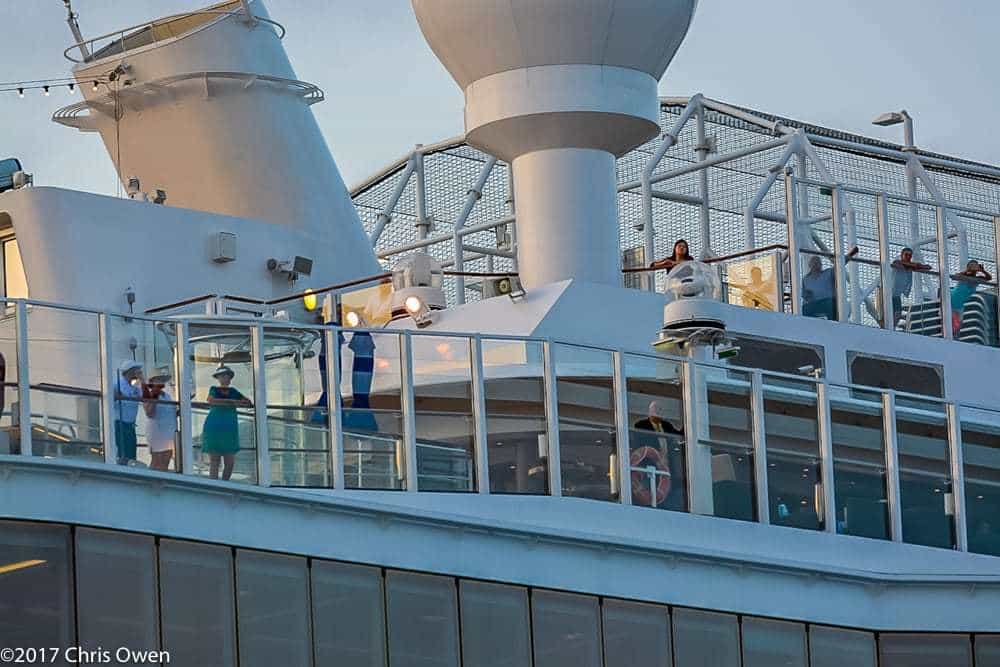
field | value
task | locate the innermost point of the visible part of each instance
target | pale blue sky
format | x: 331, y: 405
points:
x: 831, y: 62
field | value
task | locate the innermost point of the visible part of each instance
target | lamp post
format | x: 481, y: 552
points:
x: 895, y: 118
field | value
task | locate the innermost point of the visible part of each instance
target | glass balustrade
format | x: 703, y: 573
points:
x: 657, y: 447
x: 586, y: 407
x: 516, y: 426
x: 980, y: 431
x: 861, y: 496
x: 724, y: 401
x: 794, y: 468
x: 257, y: 389
x: 372, y: 417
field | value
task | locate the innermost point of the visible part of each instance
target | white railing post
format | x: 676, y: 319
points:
x: 552, y: 422
x: 892, y: 466
x: 479, y: 416
x: 762, y: 495
x: 260, y: 406
x: 109, y: 386
x: 623, y: 447
x: 836, y: 218
x: 702, y: 151
x: 335, y: 431
x: 791, y: 215
x: 409, y: 405
x: 882, y: 220
x: 24, y: 378
x: 698, y: 456
x: 956, y: 458
x: 185, y: 390
x: 825, y: 431
x: 944, y: 282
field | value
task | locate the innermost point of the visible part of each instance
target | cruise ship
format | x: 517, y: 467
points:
x: 485, y: 409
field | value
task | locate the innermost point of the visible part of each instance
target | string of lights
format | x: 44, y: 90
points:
x: 48, y: 85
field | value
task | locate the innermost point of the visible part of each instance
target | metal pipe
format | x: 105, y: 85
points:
x: 433, y: 240
x: 552, y: 421
x: 956, y: 459
x: 423, y: 223
x: 825, y: 432
x: 762, y: 496
x: 109, y: 389
x: 702, y: 151
x: 185, y: 389
x: 260, y: 405
x: 623, y: 448
x: 840, y: 293
x: 750, y: 213
x: 795, y: 274
x: 669, y: 140
x: 479, y: 413
x: 334, y: 411
x: 892, y: 466
x: 409, y: 406
x: 474, y: 194
x: 853, y: 279
x: 944, y: 277
x: 386, y: 215
x: 511, y: 205
x: 886, y: 273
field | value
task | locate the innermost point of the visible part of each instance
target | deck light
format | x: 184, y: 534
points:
x: 46, y: 89
x: 20, y: 93
x: 353, y: 319
x: 71, y: 86
x: 891, y: 118
x: 309, y: 300
x: 94, y: 87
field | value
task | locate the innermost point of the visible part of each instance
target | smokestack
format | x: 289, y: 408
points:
x: 206, y: 107
x: 560, y: 89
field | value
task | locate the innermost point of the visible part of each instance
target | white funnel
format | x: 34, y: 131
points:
x: 559, y: 88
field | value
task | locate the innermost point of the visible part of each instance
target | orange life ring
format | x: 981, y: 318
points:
x: 642, y: 457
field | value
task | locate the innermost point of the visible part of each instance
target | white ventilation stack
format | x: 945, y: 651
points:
x: 559, y: 88
x: 206, y: 107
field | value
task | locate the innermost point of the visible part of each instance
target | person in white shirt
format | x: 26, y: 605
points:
x: 161, y: 421
x: 128, y: 394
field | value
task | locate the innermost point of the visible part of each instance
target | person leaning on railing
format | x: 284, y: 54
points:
x: 968, y: 282
x: 128, y: 394
x: 902, y: 281
x: 819, y: 288
x: 220, y: 437
x: 680, y: 254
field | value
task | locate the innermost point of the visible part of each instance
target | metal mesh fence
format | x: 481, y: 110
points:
x: 451, y: 172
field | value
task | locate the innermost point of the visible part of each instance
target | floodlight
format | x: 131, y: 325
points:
x: 888, y: 119
x: 353, y: 319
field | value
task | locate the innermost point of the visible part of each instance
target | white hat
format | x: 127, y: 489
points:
x: 161, y: 375
x: 128, y: 365
x: 223, y: 370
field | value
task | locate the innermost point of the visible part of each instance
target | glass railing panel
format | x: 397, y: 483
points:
x: 917, y: 294
x: 862, y: 271
x: 926, y: 497
x: 981, y: 461
x: 221, y: 363
x: 10, y: 442
x: 297, y: 419
x: 446, y: 434
x: 729, y: 438
x: 374, y: 455
x: 859, y: 472
x: 513, y: 378
x: 794, y: 469
x: 657, y: 445
x: 65, y: 377
x: 585, y: 390
x: 145, y: 403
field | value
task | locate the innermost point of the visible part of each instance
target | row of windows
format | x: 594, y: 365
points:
x: 214, y: 605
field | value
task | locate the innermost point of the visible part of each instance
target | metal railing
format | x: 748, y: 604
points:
x: 748, y: 437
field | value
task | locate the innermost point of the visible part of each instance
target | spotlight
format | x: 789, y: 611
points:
x: 46, y: 89
x: 94, y: 87
x: 71, y: 86
x: 309, y: 300
x: 20, y: 93
x: 413, y: 305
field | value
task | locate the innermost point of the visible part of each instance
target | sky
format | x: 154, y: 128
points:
x: 834, y: 63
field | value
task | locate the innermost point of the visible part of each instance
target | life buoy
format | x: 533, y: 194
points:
x: 643, y: 457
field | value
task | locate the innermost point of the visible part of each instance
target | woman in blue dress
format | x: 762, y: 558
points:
x: 220, y: 438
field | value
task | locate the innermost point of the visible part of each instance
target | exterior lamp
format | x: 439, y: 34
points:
x: 895, y: 118
x: 354, y: 319
x: 309, y: 300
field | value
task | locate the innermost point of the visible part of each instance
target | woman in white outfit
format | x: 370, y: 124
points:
x: 161, y: 422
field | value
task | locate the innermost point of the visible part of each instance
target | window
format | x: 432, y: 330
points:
x: 567, y: 630
x: 348, y: 615
x: 925, y: 650
x: 14, y: 281
x: 495, y: 625
x: 636, y: 634
x: 273, y: 607
x: 197, y: 603
x: 703, y: 638
x: 36, y: 589
x: 117, y: 601
x: 423, y: 620
x: 777, y: 356
x: 767, y: 643
x: 835, y: 647
x: 908, y: 376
